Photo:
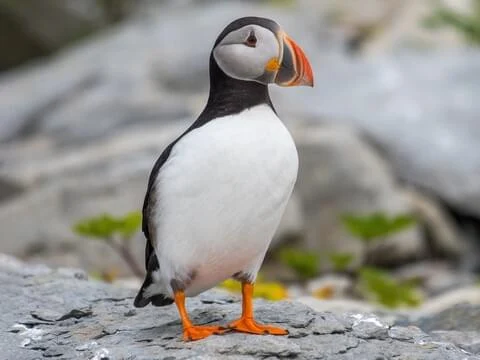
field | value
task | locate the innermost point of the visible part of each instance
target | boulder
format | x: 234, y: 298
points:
x: 128, y: 73
x: 339, y: 173
x: 419, y: 109
x: 64, y: 315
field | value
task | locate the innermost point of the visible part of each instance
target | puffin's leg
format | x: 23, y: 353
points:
x: 247, y: 323
x: 193, y: 332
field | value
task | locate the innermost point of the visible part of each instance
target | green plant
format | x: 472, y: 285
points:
x: 376, y: 225
x: 374, y: 282
x: 467, y: 24
x: 386, y: 290
x: 341, y: 261
x: 305, y: 264
x: 116, y: 232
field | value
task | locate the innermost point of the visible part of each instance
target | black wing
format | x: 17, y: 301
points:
x: 149, y: 203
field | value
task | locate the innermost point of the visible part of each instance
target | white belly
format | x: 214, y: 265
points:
x: 221, y: 195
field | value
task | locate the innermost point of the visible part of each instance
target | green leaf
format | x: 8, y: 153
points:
x: 305, y: 264
x: 105, y: 226
x: 378, y: 224
x: 386, y: 290
x: 130, y: 224
x: 341, y: 261
x: 99, y: 227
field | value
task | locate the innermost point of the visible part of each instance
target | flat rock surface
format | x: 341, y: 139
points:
x: 59, y: 314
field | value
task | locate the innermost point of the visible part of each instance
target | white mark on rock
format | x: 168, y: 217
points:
x: 101, y: 354
x: 87, y: 346
x: 25, y: 342
x: 28, y: 333
x: 362, y: 318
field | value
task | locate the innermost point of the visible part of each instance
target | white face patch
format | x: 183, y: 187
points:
x: 241, y: 61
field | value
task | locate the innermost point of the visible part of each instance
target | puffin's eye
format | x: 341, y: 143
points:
x: 251, y: 40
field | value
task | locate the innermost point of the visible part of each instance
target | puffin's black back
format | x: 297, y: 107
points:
x: 227, y: 96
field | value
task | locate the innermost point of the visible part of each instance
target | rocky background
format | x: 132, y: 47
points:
x: 92, y: 91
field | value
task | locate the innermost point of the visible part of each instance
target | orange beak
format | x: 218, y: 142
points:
x: 295, y: 69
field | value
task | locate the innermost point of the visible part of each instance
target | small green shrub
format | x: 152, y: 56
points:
x: 376, y: 225
x: 116, y: 232
x: 467, y: 24
x: 341, y: 261
x: 106, y: 226
x: 374, y: 282
x: 386, y: 290
x: 305, y: 264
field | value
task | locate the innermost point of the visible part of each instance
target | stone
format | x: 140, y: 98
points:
x: 461, y: 317
x: 436, y: 277
x: 376, y: 27
x: 9, y: 189
x: 339, y: 173
x: 330, y: 286
x: 445, y: 239
x: 145, y: 69
x: 466, y: 340
x: 111, y: 330
x: 390, y: 102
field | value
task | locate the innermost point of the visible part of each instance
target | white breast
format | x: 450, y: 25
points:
x: 221, y: 195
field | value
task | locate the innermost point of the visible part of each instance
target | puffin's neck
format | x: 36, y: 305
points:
x: 230, y: 96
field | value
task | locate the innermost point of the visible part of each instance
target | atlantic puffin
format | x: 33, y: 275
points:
x: 216, y: 195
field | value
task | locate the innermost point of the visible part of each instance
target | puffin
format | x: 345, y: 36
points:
x: 217, y: 193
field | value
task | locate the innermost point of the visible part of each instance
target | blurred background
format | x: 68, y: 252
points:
x: 386, y: 208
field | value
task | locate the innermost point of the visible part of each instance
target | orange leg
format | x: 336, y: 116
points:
x: 246, y: 323
x: 193, y: 332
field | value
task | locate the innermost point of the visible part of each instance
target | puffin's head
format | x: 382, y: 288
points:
x: 257, y: 49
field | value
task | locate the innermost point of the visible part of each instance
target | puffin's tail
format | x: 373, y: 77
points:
x: 156, y: 299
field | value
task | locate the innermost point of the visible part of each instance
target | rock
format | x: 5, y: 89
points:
x: 405, y: 105
x: 436, y: 277
x: 330, y: 286
x: 376, y: 27
x: 445, y: 238
x: 339, y: 173
x: 467, y: 340
x: 461, y: 317
x: 337, y: 305
x: 109, y: 176
x: 8, y: 189
x: 143, y: 70
x: 72, y: 318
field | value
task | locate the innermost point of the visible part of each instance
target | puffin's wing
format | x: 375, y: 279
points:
x: 148, y: 228
x: 148, y: 204
x: 151, y: 260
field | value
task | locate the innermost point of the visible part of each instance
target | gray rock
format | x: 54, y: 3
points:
x: 124, y: 75
x: 92, y: 320
x: 467, y: 340
x: 373, y: 27
x: 461, y: 317
x: 436, y: 277
x: 421, y: 110
x: 9, y: 189
x: 339, y: 173
x: 445, y: 237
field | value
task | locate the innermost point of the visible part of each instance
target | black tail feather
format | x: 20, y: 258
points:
x: 155, y: 299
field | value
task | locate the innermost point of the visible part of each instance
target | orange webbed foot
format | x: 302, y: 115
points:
x: 249, y: 325
x: 198, y: 332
